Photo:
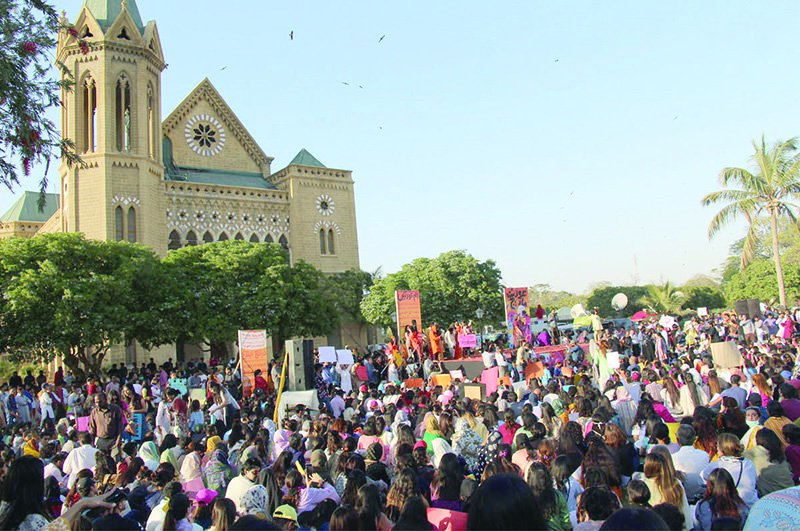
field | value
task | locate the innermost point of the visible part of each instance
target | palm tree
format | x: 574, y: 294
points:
x: 769, y: 192
x: 663, y: 299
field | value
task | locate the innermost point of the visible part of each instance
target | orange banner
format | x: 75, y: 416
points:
x: 253, y: 355
x: 408, y: 308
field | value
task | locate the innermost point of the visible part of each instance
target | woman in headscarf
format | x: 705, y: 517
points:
x: 217, y: 471
x: 254, y: 501
x: 191, y: 473
x: 625, y: 408
x: 490, y: 450
x: 440, y: 447
x: 467, y: 443
x: 149, y: 454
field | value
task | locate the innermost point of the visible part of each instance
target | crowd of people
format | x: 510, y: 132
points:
x: 623, y: 428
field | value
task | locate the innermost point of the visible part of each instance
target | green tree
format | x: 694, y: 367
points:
x: 768, y: 192
x: 69, y: 296
x: 703, y: 297
x: 346, y: 290
x: 28, y: 31
x: 600, y: 298
x: 236, y: 285
x: 452, y: 286
x: 758, y: 281
x: 665, y: 298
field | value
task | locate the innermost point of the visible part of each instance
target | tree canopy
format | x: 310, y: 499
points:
x: 601, y: 298
x: 758, y: 281
x: 452, y: 286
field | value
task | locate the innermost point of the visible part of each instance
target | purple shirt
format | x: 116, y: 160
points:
x: 792, y: 408
x: 793, y: 456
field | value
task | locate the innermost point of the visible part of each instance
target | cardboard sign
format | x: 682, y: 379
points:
x: 613, y: 359
x: 566, y: 372
x: 445, y: 520
x: 468, y: 341
x: 520, y: 389
x: 179, y: 384
x: 345, y: 357
x: 441, y: 379
x: 702, y: 311
x: 199, y: 395
x: 505, y: 380
x: 473, y: 391
x: 82, y: 423
x: 140, y: 423
x: 327, y: 355
x: 535, y: 369
x: 254, y: 354
x: 362, y: 373
x: 489, y: 378
x: 726, y: 355
x: 457, y: 375
x: 414, y: 383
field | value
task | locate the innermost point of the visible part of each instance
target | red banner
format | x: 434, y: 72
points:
x: 408, y: 310
x: 253, y: 355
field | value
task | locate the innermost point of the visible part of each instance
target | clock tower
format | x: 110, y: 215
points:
x: 113, y: 115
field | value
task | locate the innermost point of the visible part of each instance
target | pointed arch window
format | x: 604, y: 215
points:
x: 254, y: 238
x: 151, y: 126
x: 119, y: 229
x: 124, y: 34
x: 223, y: 237
x: 238, y: 236
x: 322, y: 248
x: 191, y: 238
x: 88, y: 122
x: 207, y: 237
x: 174, y: 241
x: 284, y: 242
x: 331, y: 248
x: 123, y: 114
x: 268, y: 239
x: 131, y: 224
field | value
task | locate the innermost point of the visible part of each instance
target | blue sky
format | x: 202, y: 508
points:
x: 565, y: 140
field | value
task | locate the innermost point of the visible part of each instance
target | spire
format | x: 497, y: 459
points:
x: 107, y: 11
x: 304, y: 158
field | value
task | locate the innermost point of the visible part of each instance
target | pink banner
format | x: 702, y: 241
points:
x: 468, y: 341
x: 489, y: 378
x: 82, y: 423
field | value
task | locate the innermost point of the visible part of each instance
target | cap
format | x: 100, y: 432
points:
x: 206, y: 496
x: 287, y: 512
x: 421, y: 444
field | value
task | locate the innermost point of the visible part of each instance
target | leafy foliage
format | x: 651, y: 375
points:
x: 600, y: 298
x: 758, y: 281
x: 452, y: 287
x: 663, y: 299
x: 703, y: 297
x: 28, y: 88
x: 66, y: 295
x: 768, y: 193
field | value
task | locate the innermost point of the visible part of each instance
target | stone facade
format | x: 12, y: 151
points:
x: 197, y: 177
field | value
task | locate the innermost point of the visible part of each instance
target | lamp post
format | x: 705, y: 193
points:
x: 393, y: 317
x: 479, y: 315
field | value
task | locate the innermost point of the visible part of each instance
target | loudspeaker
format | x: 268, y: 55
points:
x: 300, y: 375
x: 740, y: 307
x: 753, y: 308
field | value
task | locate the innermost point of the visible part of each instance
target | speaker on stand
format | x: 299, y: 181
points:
x: 300, y: 373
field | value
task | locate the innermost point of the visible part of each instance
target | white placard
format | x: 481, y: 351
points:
x: 457, y: 375
x: 702, y: 311
x: 345, y: 357
x: 613, y: 359
x: 327, y: 354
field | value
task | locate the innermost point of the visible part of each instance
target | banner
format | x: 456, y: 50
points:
x: 468, y: 341
x: 408, y: 310
x: 518, y: 316
x: 253, y: 355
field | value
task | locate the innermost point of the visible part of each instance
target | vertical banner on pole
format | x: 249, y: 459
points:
x: 408, y: 310
x: 518, y: 316
x: 253, y: 355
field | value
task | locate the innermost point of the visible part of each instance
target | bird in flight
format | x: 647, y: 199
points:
x: 676, y: 117
x: 555, y: 61
x: 382, y: 37
x: 345, y: 83
x: 291, y: 35
x: 361, y: 86
x: 223, y: 68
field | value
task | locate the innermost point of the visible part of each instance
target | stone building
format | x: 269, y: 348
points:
x: 196, y: 177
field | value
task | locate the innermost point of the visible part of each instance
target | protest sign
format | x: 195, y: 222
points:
x: 534, y: 369
x: 327, y: 355
x: 199, y: 395
x: 82, y: 423
x: 566, y: 372
x: 414, y: 383
x: 726, y: 355
x: 253, y: 355
x: 613, y: 359
x: 489, y: 377
x: 447, y: 520
x: 407, y: 306
x: 345, y: 357
x: 456, y: 375
x: 362, y: 373
x: 518, y: 317
x: 473, y: 391
x: 702, y: 311
x: 468, y: 341
x: 179, y: 384
x: 441, y: 379
x: 139, y: 421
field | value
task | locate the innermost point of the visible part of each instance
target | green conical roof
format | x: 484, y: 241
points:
x: 304, y: 158
x: 27, y: 208
x: 107, y: 11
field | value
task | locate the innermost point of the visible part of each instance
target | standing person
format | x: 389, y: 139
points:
x: 321, y: 386
x: 106, y: 423
x: 165, y: 416
x: 46, y: 404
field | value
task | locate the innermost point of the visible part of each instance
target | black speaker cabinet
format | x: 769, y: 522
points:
x: 754, y: 308
x: 301, y: 364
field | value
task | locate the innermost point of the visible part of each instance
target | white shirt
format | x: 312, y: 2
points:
x: 337, y: 405
x: 236, y: 489
x: 53, y: 470
x: 78, y: 459
x: 690, y: 459
x: 743, y: 472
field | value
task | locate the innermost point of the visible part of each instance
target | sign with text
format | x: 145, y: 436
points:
x: 327, y: 354
x: 409, y: 311
x: 518, y: 316
x: 253, y: 355
x: 468, y: 341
